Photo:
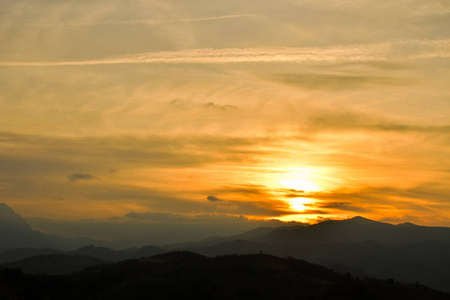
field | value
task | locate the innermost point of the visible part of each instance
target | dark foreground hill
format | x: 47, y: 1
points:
x: 185, y: 275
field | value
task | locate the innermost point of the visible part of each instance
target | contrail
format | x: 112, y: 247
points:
x: 355, y: 53
x: 227, y: 55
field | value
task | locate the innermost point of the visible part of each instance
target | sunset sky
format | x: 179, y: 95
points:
x: 218, y: 111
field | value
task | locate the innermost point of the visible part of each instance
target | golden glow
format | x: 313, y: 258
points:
x: 300, y: 184
x: 188, y: 111
x: 308, y: 218
x: 300, y: 204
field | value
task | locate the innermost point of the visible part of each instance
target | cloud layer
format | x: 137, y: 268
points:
x: 224, y: 111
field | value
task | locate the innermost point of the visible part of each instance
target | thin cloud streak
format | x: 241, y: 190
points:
x: 371, y: 52
x: 186, y: 20
x: 146, y: 21
x: 226, y: 55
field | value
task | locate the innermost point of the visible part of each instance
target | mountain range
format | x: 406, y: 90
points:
x: 406, y: 252
x: 187, y: 275
x: 16, y: 233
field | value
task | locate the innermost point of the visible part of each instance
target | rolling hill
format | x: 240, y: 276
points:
x: 186, y: 275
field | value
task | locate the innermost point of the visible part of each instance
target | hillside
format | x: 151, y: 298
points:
x: 181, y: 275
x: 406, y: 252
x: 53, y: 264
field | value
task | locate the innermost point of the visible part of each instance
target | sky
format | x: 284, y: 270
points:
x: 208, y: 112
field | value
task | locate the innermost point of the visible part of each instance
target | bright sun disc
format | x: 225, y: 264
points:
x: 300, y: 204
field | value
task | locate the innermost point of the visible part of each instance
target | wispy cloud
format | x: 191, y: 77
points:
x: 427, y: 197
x: 184, y: 20
x: 231, y: 55
x: 351, y: 121
x: 414, y: 49
x: 144, y: 21
x: 80, y: 176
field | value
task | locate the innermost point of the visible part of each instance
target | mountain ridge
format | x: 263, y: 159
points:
x: 16, y: 233
x: 181, y: 275
x: 364, y: 246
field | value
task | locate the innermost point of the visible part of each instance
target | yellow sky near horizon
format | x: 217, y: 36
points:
x: 296, y: 110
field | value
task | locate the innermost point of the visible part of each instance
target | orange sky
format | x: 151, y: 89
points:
x: 294, y: 110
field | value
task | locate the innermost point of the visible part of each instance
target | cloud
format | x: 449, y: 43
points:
x: 155, y: 150
x: 425, y: 198
x: 213, y: 199
x: 228, y: 55
x: 362, y: 121
x: 220, y: 107
x: 80, y: 176
x: 268, y: 208
x: 415, y: 49
x: 153, y: 228
x: 149, y: 22
x: 360, y: 105
x: 183, y: 104
x: 245, y: 189
x: 186, y: 20
x: 294, y: 194
x: 252, y: 206
x: 343, y: 206
x: 336, y: 81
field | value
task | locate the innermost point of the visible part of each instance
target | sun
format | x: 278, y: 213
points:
x: 300, y: 204
x: 299, y: 185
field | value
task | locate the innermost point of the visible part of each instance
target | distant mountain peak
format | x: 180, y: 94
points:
x: 360, y: 220
x: 8, y: 215
x: 5, y: 209
x: 407, y: 224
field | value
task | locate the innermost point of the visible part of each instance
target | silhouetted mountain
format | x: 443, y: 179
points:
x: 215, y: 240
x: 21, y: 253
x: 231, y: 247
x: 10, y: 218
x: 407, y: 224
x: 354, y: 230
x: 360, y: 220
x: 102, y: 253
x: 186, y: 275
x: 110, y: 255
x: 406, y: 252
x: 54, y: 264
x: 146, y: 252
x: 16, y: 233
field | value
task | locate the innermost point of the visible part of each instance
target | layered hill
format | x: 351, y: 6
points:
x: 406, y: 252
x: 16, y: 257
x: 53, y: 264
x: 186, y: 275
